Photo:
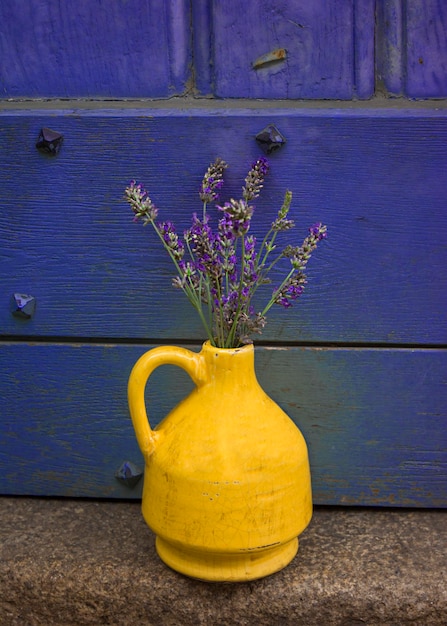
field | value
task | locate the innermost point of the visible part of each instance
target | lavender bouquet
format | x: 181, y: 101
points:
x: 220, y: 269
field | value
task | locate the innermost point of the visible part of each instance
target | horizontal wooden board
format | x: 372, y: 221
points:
x: 376, y: 177
x: 374, y: 419
x: 329, y: 48
x: 95, y: 49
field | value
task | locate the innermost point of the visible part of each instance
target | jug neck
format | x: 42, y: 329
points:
x: 230, y: 365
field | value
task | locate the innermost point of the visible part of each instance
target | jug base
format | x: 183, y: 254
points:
x: 226, y: 567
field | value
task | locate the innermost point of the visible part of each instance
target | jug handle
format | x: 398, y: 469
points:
x: 191, y: 362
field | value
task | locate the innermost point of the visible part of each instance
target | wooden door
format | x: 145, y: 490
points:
x: 156, y: 90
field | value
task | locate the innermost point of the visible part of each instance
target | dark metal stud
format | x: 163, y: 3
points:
x: 49, y: 141
x: 23, y: 305
x: 129, y: 474
x: 270, y: 139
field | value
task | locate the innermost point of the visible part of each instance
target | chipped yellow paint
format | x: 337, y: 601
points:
x: 280, y: 54
x: 227, y: 482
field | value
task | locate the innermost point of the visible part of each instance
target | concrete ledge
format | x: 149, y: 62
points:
x: 77, y: 562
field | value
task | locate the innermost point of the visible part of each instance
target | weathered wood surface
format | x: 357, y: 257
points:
x: 374, y: 419
x: 133, y: 49
x: 373, y: 409
x: 412, y: 47
x: 143, y: 49
x: 329, y: 48
x: 96, y: 49
x: 375, y: 177
x: 155, y: 49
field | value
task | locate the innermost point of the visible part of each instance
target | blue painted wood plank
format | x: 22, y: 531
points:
x: 376, y: 177
x: 364, y: 44
x: 389, y: 57
x: 329, y: 48
x: 412, y: 48
x: 426, y: 54
x: 95, y: 49
x: 374, y: 419
x: 202, y: 47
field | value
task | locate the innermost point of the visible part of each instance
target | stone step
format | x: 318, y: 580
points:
x: 82, y: 562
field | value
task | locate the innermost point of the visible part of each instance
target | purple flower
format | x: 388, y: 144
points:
x: 250, y: 276
x: 255, y: 179
x: 283, y: 301
x: 140, y: 203
x: 172, y: 242
x: 238, y: 215
x: 212, y: 181
x: 294, y: 291
x: 203, y: 245
x: 221, y: 270
x: 300, y: 256
x: 318, y: 231
x: 290, y: 291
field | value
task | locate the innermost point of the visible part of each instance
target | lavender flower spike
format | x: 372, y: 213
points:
x: 317, y: 232
x: 255, y: 179
x: 171, y: 240
x: 282, y: 223
x: 239, y: 213
x: 140, y: 202
x: 212, y: 181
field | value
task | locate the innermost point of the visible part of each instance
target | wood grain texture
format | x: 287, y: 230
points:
x: 364, y: 48
x: 374, y: 419
x: 426, y: 39
x: 329, y: 48
x: 376, y: 178
x: 92, y: 48
x: 203, y: 46
x: 412, y: 48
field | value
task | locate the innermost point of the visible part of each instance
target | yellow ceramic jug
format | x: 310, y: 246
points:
x: 227, y: 483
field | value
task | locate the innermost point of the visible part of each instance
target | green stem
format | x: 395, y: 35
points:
x: 271, y: 302
x: 268, y: 251
x: 188, y: 289
x: 232, y: 334
x: 263, y: 244
x: 220, y: 319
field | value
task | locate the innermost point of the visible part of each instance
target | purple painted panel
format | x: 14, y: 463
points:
x: 202, y: 42
x: 374, y: 419
x: 375, y: 176
x: 389, y: 62
x: 412, y: 47
x: 426, y: 49
x: 94, y: 48
x: 364, y: 38
x: 321, y: 58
